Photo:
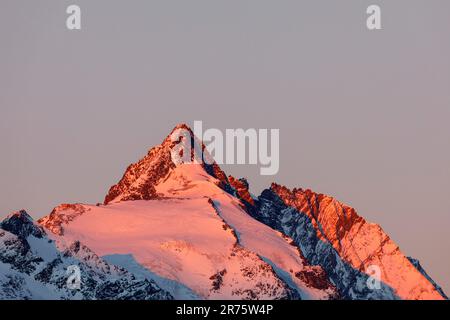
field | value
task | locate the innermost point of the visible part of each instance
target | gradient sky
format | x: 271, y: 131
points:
x: 363, y: 116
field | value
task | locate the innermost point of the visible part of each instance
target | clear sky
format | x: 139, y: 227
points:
x: 363, y: 116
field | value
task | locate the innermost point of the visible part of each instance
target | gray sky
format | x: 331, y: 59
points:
x: 363, y: 116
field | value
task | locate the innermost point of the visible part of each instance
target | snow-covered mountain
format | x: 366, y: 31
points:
x: 187, y: 231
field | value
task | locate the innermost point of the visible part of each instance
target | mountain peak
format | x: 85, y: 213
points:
x: 182, y: 125
x: 141, y: 178
x: 20, y: 214
x: 319, y: 244
x: 21, y: 224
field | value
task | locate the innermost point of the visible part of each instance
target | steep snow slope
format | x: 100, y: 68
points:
x: 189, y: 181
x: 182, y: 240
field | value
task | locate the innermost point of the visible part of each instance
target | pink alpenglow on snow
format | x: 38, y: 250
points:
x: 195, y: 233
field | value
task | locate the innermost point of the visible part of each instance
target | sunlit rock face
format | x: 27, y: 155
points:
x: 348, y: 247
